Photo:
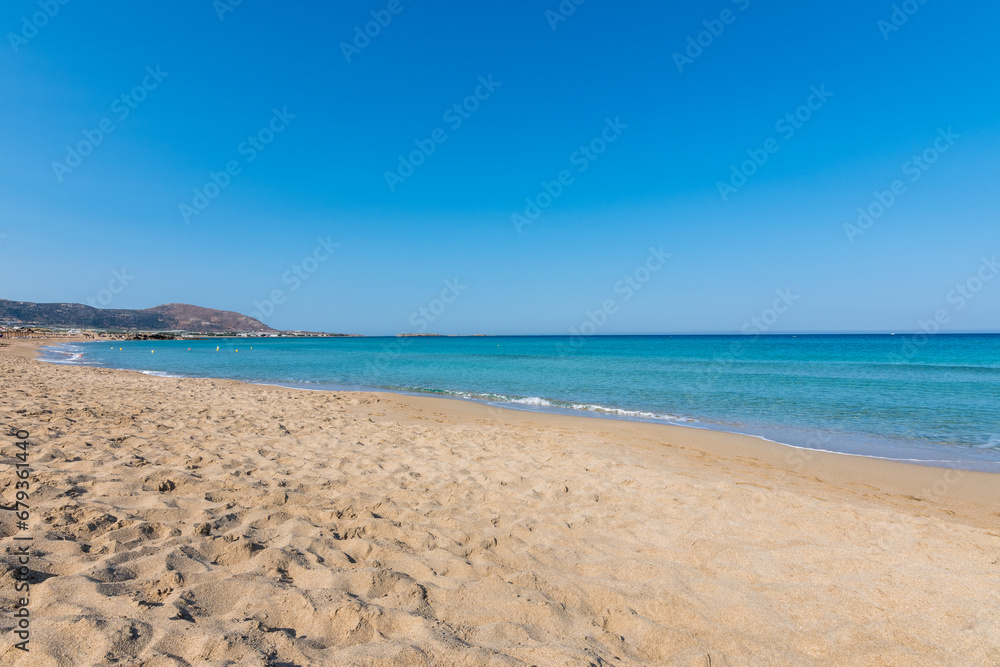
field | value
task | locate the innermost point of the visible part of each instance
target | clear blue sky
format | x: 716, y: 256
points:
x: 554, y: 90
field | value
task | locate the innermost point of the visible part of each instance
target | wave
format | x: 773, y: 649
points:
x: 633, y: 414
x: 551, y: 404
x: 62, y: 353
x: 532, y: 400
x: 161, y: 374
x: 535, y: 401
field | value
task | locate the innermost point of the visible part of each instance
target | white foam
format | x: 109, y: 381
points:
x: 640, y: 414
x: 538, y: 402
x: 161, y: 374
x: 62, y: 353
x: 532, y: 400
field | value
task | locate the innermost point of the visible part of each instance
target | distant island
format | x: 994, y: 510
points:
x: 168, y: 318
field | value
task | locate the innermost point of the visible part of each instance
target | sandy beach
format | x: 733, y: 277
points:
x: 210, y: 522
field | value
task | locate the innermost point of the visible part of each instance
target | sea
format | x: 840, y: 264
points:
x: 928, y: 399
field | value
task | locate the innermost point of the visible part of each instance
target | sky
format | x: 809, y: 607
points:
x: 379, y: 166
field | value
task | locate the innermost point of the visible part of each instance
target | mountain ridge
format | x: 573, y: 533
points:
x: 165, y: 317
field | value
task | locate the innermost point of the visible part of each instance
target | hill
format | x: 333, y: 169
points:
x: 168, y: 317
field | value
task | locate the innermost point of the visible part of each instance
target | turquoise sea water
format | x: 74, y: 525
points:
x: 926, y: 398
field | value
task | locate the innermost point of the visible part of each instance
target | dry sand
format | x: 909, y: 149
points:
x: 208, y: 522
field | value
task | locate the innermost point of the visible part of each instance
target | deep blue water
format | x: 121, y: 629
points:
x: 934, y: 398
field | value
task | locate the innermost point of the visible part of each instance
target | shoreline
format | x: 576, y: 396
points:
x: 920, y: 482
x: 375, y: 528
x: 696, y: 425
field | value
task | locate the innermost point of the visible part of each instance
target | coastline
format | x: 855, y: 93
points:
x: 921, y: 483
x: 990, y: 467
x: 394, y: 529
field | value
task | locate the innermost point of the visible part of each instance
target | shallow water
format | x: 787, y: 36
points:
x: 933, y: 399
